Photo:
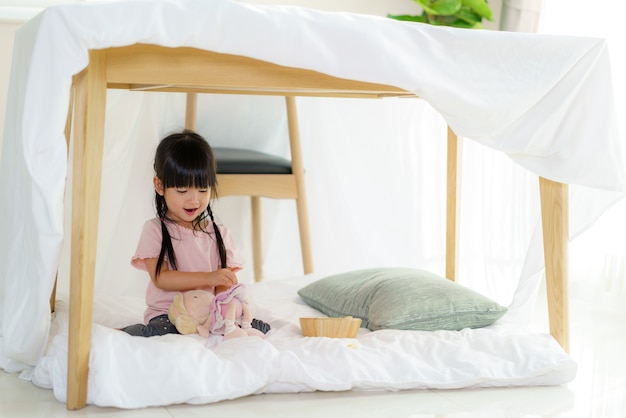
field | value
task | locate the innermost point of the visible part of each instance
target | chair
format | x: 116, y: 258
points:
x: 243, y: 172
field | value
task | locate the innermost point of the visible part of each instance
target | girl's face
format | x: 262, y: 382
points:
x: 184, y: 204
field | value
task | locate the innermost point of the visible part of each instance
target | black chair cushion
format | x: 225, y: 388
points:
x: 244, y: 161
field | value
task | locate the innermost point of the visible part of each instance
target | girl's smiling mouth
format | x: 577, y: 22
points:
x: 191, y: 211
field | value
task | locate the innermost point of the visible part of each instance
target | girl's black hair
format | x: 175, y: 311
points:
x: 185, y: 159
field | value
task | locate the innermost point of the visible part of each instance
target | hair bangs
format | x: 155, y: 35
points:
x: 187, y: 161
x: 193, y: 173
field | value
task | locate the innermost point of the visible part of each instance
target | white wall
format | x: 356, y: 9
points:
x: 7, y: 31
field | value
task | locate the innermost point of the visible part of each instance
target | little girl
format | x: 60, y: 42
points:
x: 183, y: 248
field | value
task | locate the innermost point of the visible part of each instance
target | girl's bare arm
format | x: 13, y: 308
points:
x: 183, y: 280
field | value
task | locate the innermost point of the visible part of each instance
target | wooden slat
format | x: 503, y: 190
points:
x: 261, y: 92
x: 276, y: 186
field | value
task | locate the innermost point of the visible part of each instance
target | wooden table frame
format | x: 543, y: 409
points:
x: 156, y: 68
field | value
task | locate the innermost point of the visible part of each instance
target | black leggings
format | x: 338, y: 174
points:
x: 161, y: 325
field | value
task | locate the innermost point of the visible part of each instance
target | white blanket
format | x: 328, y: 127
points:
x: 133, y: 372
x: 545, y: 101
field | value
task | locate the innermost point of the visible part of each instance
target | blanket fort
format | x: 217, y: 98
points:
x: 545, y: 101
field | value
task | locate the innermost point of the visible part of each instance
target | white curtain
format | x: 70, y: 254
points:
x: 520, y: 15
x: 375, y: 177
x: 598, y: 257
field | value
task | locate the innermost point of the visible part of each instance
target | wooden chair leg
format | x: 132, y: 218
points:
x: 191, y: 111
x: 555, y: 226
x: 297, y: 167
x: 87, y: 170
x: 257, y: 238
x: 453, y: 203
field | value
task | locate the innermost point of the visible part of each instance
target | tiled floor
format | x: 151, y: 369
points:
x: 598, y: 344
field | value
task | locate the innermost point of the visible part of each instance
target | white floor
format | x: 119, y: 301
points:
x: 598, y: 344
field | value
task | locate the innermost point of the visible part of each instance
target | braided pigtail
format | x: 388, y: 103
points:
x: 166, y: 240
x: 218, y: 239
x: 166, y: 248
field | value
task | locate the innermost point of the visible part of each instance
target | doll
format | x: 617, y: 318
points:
x: 227, y: 313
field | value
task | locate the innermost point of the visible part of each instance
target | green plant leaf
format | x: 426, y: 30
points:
x: 408, y: 18
x: 450, y: 21
x: 456, y: 13
x: 469, y: 16
x: 479, y: 6
x: 440, y: 7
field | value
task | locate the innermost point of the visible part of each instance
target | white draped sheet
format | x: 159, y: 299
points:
x: 544, y: 101
x: 135, y: 372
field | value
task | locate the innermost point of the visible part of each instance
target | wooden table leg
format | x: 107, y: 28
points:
x: 90, y: 103
x: 68, y: 134
x: 453, y: 199
x: 555, y: 225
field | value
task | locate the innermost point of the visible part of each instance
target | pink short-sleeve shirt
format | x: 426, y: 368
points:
x: 195, y: 251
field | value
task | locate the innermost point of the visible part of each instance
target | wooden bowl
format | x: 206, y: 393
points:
x: 346, y: 327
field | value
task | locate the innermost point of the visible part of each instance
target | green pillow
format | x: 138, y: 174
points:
x: 401, y: 298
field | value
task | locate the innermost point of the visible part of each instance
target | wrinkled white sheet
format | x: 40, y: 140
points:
x: 545, y: 101
x: 190, y: 369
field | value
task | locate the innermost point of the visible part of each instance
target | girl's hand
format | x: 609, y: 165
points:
x: 223, y: 279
